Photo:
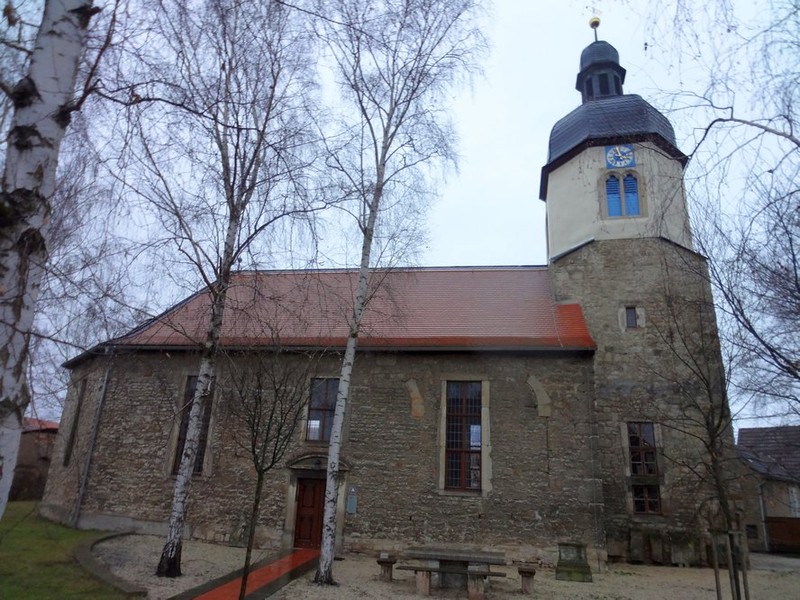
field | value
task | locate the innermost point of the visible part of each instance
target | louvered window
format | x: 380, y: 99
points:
x: 622, y: 200
x: 631, y: 187
x: 613, y: 197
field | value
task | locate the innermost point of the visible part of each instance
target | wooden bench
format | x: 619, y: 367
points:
x: 476, y: 577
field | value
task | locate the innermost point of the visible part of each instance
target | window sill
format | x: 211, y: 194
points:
x: 461, y: 493
x: 648, y: 518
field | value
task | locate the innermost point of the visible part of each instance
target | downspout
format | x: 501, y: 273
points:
x: 87, y: 464
x: 598, y: 501
x: 763, y: 507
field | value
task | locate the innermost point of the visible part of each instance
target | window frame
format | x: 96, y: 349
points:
x: 620, y: 175
x: 461, y: 449
x: 325, y: 425
x: 484, y: 450
x: 643, y: 468
x: 631, y: 317
x: 794, y: 500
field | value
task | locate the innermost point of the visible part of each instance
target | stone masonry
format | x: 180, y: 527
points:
x: 653, y: 372
x: 544, y: 479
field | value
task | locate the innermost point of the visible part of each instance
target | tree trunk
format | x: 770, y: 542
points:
x: 328, y: 547
x: 327, y: 550
x: 42, y: 107
x: 720, y: 484
x: 251, y: 533
x: 169, y: 564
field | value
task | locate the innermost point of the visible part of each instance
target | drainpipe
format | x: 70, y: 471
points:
x: 763, y: 507
x: 87, y: 464
x: 598, y: 504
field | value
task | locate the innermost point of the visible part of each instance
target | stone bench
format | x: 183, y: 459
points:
x: 476, y: 577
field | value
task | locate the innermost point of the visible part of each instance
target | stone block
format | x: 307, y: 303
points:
x: 572, y: 563
x: 527, y: 572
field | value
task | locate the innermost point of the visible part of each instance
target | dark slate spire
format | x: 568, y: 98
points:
x: 601, y: 75
x: 606, y: 116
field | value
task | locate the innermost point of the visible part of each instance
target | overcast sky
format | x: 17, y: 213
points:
x: 490, y: 212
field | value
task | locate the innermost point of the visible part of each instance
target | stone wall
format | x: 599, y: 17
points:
x: 544, y: 484
x: 666, y: 370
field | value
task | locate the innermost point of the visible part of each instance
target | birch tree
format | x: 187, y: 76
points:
x: 43, y: 101
x: 217, y: 105
x: 395, y: 62
x: 89, y: 292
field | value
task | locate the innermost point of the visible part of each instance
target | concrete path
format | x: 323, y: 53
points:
x: 775, y: 562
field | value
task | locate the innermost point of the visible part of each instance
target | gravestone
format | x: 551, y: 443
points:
x: 572, y: 564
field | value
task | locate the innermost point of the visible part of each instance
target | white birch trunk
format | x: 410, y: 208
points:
x: 170, y: 562
x: 390, y: 62
x: 328, y: 546
x: 169, y: 565
x: 42, y: 108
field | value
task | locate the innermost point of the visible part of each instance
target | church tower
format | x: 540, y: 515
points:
x: 619, y: 243
x: 614, y: 170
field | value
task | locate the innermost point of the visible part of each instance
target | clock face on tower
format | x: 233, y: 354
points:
x: 620, y: 156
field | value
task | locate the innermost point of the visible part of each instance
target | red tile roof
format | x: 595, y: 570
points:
x: 31, y: 424
x: 425, y: 308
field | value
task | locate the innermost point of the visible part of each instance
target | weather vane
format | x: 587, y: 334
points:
x: 594, y: 23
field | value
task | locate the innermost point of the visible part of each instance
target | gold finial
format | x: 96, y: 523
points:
x: 594, y: 23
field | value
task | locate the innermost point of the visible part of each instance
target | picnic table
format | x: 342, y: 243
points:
x: 452, y: 566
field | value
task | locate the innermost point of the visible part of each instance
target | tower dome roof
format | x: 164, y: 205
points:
x: 607, y: 116
x: 598, y: 52
x: 605, y: 121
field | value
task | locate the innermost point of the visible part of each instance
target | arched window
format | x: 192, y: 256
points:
x: 622, y: 198
x: 631, y: 188
x: 613, y: 197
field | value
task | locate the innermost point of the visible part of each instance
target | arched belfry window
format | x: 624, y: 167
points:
x: 622, y: 197
x: 631, y: 187
x: 613, y: 196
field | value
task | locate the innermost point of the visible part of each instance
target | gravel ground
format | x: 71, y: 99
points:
x: 134, y: 557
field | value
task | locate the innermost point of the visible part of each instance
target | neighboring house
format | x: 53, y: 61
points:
x: 33, y: 462
x: 772, y: 516
x: 514, y: 407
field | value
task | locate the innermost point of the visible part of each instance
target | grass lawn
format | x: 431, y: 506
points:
x: 36, y: 560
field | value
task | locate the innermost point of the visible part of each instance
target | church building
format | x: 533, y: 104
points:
x: 502, y: 407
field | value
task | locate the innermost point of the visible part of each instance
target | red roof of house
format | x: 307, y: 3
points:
x: 31, y: 424
x: 425, y: 308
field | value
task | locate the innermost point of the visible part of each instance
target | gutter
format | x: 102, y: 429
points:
x: 763, y: 507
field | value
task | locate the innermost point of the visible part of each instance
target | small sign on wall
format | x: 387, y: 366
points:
x: 352, y: 500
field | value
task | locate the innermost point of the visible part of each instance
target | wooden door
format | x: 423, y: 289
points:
x: 310, y: 508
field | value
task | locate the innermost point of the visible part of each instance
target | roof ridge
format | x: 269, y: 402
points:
x: 434, y: 268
